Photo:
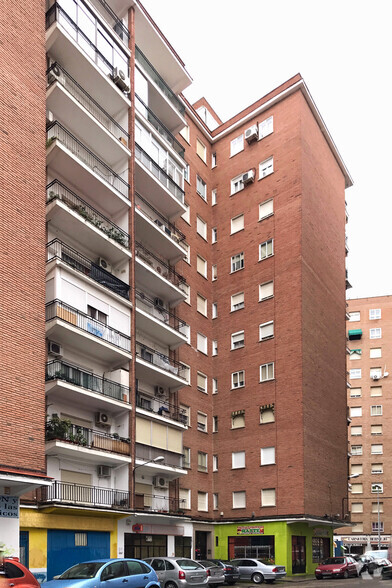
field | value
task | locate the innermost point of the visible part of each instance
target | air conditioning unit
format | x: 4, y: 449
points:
x: 249, y: 177
x: 159, y: 391
x: 158, y: 302
x: 120, y: 79
x: 104, y: 264
x: 251, y: 133
x: 376, y: 377
x: 160, y: 482
x: 102, y: 418
x: 55, y: 349
x: 54, y: 74
x: 103, y: 471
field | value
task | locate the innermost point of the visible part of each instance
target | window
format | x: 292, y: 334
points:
x: 377, y: 507
x: 266, y: 331
x: 187, y: 251
x: 267, y: 455
x: 377, y: 527
x: 202, y: 343
x: 356, y: 507
x: 356, y: 450
x: 236, y: 184
x: 375, y: 352
x: 356, y: 468
x: 214, y: 235
x: 376, y: 373
x: 201, y: 187
x: 214, y: 310
x: 214, y: 424
x: 377, y: 488
x: 215, y: 501
x: 202, y: 382
x: 355, y: 392
x: 376, y: 429
x: 356, y: 431
x: 239, y: 499
x: 187, y: 173
x: 355, y: 374
x: 201, y: 150
x: 214, y: 386
x: 268, y: 497
x: 202, y: 462
x: 238, y: 419
x: 237, y: 224
x: 202, y: 501
x: 375, y: 333
x: 377, y: 468
x: 201, y: 304
x: 80, y: 539
x: 376, y: 449
x: 237, y: 301
x: 375, y: 390
x: 214, y: 463
x: 201, y: 422
x: 187, y: 214
x: 215, y: 347
x: 357, y: 527
x: 201, y: 227
x: 186, y: 458
x: 266, y: 127
x: 355, y: 411
x: 187, y: 291
x: 185, y: 498
x: 237, y: 340
x: 376, y: 410
x: 237, y: 460
x: 374, y: 313
x: 97, y: 314
x: 267, y: 372
x: 237, y: 262
x: 214, y: 194
x: 236, y: 145
x: 201, y: 266
x: 356, y: 488
x: 355, y: 354
x: 266, y: 168
x: 354, y: 316
x: 267, y: 414
x: 214, y: 272
x: 238, y: 379
x: 266, y: 291
x: 266, y: 209
x: 185, y: 133
x: 266, y: 249
x: 213, y: 160
x: 186, y: 414
x: 186, y: 331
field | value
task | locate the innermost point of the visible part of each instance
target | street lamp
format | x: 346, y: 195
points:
x: 157, y: 459
x: 378, y: 489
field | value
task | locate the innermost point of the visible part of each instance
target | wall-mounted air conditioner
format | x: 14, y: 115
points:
x: 248, y: 177
x: 55, y: 349
x: 103, y: 471
x: 160, y: 482
x: 104, y: 264
x: 158, y: 302
x: 251, y: 133
x: 159, y: 391
x: 121, y: 80
x: 102, y: 418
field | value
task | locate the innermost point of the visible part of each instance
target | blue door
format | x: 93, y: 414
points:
x: 24, y: 548
x: 66, y: 548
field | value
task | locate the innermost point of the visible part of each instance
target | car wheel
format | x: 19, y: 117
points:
x: 346, y: 575
x: 319, y: 577
x: 170, y: 585
x: 257, y: 578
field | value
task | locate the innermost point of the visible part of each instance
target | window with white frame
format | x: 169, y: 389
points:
x: 237, y: 460
x: 186, y: 412
x: 267, y: 414
x: 356, y: 469
x: 237, y: 340
x: 187, y: 173
x: 185, y: 329
x: 377, y: 468
x: 268, y: 497
x: 238, y: 379
x: 187, y: 214
x: 215, y: 501
x: 201, y: 304
x: 375, y: 352
x: 376, y: 410
x: 355, y: 354
x: 215, y: 347
x: 375, y: 390
x: 377, y: 506
x: 357, y: 488
x: 201, y: 187
x: 214, y: 235
x: 202, y: 462
x: 355, y: 374
x: 202, y: 382
x: 202, y: 422
x: 239, y: 499
x: 376, y: 429
x: 354, y: 316
x: 237, y: 224
x: 377, y: 449
x: 236, y: 184
x: 266, y: 290
x: 356, y: 431
x: 214, y: 310
x: 376, y: 373
x: 202, y: 343
x: 356, y: 450
x: 201, y: 266
x: 185, y: 498
x: 201, y: 150
x: 266, y: 168
x: 267, y: 372
x: 214, y: 195
x: 266, y: 330
x: 237, y: 145
x: 266, y: 249
x: 238, y: 419
x: 374, y: 313
x: 187, y: 250
x: 213, y: 160
x: 237, y: 262
x: 186, y: 458
x: 357, y: 507
x: 375, y: 333
x: 266, y: 209
x: 237, y: 301
x: 214, y: 272
x: 266, y: 127
x: 267, y: 456
x: 377, y: 488
x: 214, y: 385
x: 355, y: 411
x: 201, y: 227
x: 355, y: 392
x: 187, y: 291
x: 215, y: 421
x: 185, y: 133
x: 377, y: 527
x: 214, y: 463
x: 202, y: 501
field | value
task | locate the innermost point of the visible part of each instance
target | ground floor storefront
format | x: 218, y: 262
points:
x: 358, y: 544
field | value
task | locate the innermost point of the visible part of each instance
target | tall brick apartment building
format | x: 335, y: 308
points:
x: 193, y: 386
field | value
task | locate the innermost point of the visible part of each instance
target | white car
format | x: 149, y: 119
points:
x: 257, y: 571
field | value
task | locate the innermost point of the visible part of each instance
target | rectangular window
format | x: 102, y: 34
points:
x: 355, y: 354
x: 267, y: 372
x: 356, y: 507
x: 238, y: 379
x: 266, y: 127
x: 214, y: 424
x: 185, y: 498
x: 201, y: 150
x: 355, y: 392
x: 266, y: 168
x: 237, y: 224
x: 236, y: 145
x: 214, y: 272
x: 267, y: 455
x: 376, y: 410
x: 377, y: 468
x: 185, y: 133
x: 356, y: 450
x: 202, y: 382
x: 357, y: 527
x: 266, y: 209
x: 266, y: 249
x: 376, y: 429
x: 356, y: 468
x: 201, y: 187
x: 187, y: 173
x: 237, y: 340
x: 214, y: 235
x: 268, y: 497
x: 237, y: 301
x: 377, y: 527
x: 237, y: 262
x: 375, y: 333
x: 214, y: 195
x: 201, y: 266
x: 201, y: 304
x: 374, y: 313
x: 377, y: 507
x: 236, y: 184
x: 187, y: 251
x: 266, y: 331
x: 375, y: 390
x: 239, y: 499
x: 354, y: 316
x: 356, y: 431
x: 356, y: 488
x: 355, y: 374
x: 186, y: 458
x: 238, y: 420
x: 377, y: 449
x: 97, y: 314
x: 186, y: 215
x: 201, y: 227
x: 267, y: 414
x: 355, y: 411
x: 237, y: 460
x: 202, y: 422
x: 202, y: 501
x: 214, y: 347
x: 376, y: 373
x: 214, y: 386
x: 202, y: 343
x: 202, y: 462
x: 185, y: 414
x: 187, y: 291
x: 215, y: 502
x: 377, y: 488
x: 214, y: 463
x: 213, y: 159
x: 80, y: 540
x: 375, y: 352
x: 266, y: 291
x: 214, y: 310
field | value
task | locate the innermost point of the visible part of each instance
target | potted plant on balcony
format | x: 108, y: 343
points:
x: 57, y: 428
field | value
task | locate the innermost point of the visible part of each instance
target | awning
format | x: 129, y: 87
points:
x: 355, y: 334
x: 357, y: 351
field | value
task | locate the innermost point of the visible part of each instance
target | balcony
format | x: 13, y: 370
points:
x: 67, y: 212
x: 70, y: 327
x: 158, y: 369
x: 78, y: 495
x: 171, y: 468
x: 158, y: 323
x: 56, y: 249
x: 116, y: 24
x: 159, y: 504
x: 161, y: 407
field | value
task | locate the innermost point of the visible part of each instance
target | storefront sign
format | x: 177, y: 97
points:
x: 137, y: 528
x: 365, y: 538
x: 250, y: 530
x: 320, y: 532
x: 9, y: 506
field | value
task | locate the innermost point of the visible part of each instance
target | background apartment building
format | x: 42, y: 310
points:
x: 194, y: 390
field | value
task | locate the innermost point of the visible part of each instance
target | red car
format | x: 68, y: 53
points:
x: 337, y: 567
x: 13, y: 573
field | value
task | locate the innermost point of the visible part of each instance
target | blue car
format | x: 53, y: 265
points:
x: 107, y: 573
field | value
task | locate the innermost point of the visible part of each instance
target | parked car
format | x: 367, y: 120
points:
x: 258, y: 571
x: 231, y: 573
x: 16, y: 574
x: 374, y: 559
x: 178, y: 572
x: 337, y: 567
x: 105, y: 573
x: 386, y: 570
x: 215, y: 575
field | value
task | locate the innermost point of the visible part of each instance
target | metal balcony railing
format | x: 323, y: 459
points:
x: 56, y: 131
x: 56, y: 249
x: 69, y: 493
x: 57, y: 191
x: 159, y: 81
x: 56, y: 73
x: 67, y: 372
x: 159, y: 126
x: 63, y: 430
x: 118, y: 26
x: 160, y: 266
x: 160, y: 360
x: 159, y: 312
x: 159, y: 173
x: 84, y: 322
x: 157, y: 503
x: 154, y: 215
x: 160, y: 406
x: 147, y: 452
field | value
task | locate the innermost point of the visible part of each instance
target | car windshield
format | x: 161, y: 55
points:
x: 333, y: 561
x: 206, y: 563
x: 188, y: 564
x: 266, y: 562
x: 82, y: 571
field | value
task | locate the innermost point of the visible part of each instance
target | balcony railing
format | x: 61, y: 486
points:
x: 160, y: 406
x: 160, y: 266
x: 160, y: 360
x: 159, y: 173
x: 67, y: 372
x: 157, y: 503
x: 152, y: 213
x: 159, y: 126
x: 63, y: 430
x: 159, y: 81
x: 159, y: 312
x: 84, y: 322
x: 147, y: 452
x: 56, y: 249
x: 56, y: 131
x: 118, y: 26
x: 57, y: 191
x: 67, y: 492
x: 85, y: 100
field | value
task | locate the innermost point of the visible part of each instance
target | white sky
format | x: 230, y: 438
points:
x: 237, y: 51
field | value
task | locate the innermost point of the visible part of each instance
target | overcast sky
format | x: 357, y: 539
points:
x: 237, y: 51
